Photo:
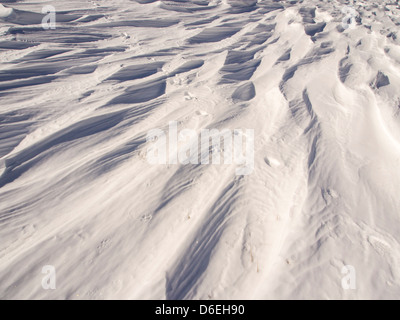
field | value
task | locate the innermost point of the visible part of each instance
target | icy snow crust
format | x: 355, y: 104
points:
x: 77, y: 193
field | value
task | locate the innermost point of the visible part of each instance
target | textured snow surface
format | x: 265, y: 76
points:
x: 5, y: 12
x: 76, y: 190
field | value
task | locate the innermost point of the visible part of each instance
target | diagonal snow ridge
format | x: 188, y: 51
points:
x: 320, y: 89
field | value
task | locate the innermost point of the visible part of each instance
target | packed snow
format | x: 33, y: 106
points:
x: 317, y: 81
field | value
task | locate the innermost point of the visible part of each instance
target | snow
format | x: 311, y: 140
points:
x: 5, y: 12
x: 77, y: 191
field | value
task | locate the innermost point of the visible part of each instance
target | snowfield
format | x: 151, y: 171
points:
x: 318, y: 217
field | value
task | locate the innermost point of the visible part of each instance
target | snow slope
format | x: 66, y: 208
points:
x: 76, y: 190
x: 5, y: 12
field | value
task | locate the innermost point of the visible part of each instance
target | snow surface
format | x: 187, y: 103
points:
x: 5, y: 12
x: 77, y: 193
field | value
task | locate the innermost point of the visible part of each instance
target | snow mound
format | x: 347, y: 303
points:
x: 5, y: 12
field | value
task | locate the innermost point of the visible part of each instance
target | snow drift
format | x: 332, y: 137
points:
x: 77, y: 193
x: 5, y: 12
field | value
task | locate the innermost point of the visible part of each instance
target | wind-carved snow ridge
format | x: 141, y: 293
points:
x: 5, y: 12
x: 317, y: 81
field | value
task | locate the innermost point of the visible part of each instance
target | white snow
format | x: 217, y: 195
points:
x: 76, y: 190
x: 4, y: 11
